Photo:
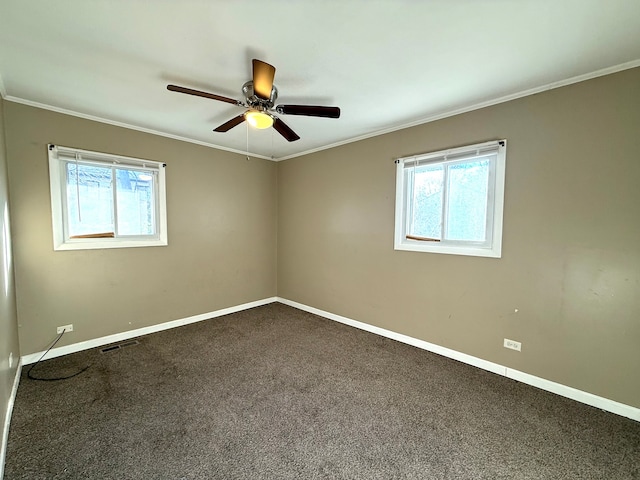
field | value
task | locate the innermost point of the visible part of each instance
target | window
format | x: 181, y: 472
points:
x: 105, y: 201
x: 451, y: 201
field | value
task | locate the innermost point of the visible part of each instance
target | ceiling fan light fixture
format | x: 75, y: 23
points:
x: 260, y: 95
x: 258, y: 119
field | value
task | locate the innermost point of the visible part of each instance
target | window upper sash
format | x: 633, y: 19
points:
x: 482, y: 150
x: 102, y: 159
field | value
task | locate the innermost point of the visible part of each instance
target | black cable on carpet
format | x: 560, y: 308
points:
x: 42, y: 357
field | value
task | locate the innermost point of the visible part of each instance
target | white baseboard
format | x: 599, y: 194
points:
x: 7, y: 419
x: 119, y: 337
x: 544, y: 384
x: 557, y: 388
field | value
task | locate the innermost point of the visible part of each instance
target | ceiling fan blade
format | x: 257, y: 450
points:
x: 225, y: 127
x: 309, y: 110
x: 198, y: 93
x: 263, y: 74
x: 284, y: 130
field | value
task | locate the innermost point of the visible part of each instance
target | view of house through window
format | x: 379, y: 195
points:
x: 100, y: 200
x: 110, y: 201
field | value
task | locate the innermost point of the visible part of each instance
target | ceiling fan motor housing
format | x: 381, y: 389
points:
x: 257, y: 103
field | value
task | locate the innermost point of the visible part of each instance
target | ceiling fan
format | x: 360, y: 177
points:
x: 260, y: 95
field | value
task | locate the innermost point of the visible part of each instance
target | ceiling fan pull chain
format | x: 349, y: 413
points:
x: 247, y: 141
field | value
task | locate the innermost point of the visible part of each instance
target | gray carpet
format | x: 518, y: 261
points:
x: 277, y: 393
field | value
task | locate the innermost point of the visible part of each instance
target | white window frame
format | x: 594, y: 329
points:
x: 58, y: 157
x: 495, y: 197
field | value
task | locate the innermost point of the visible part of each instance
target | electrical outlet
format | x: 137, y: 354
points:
x: 512, y: 344
x: 65, y: 329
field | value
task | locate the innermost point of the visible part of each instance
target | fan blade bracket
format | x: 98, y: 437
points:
x: 309, y: 110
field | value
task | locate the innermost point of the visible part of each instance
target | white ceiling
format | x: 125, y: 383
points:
x: 387, y: 64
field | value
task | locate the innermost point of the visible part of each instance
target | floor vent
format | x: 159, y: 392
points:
x: 111, y: 348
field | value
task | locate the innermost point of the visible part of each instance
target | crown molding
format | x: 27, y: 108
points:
x: 422, y: 121
x: 488, y: 103
x: 116, y: 123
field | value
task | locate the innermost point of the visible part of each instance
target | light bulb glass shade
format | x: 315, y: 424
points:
x: 258, y: 119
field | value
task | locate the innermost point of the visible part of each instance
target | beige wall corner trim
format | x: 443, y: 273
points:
x: 3, y: 94
x: 119, y: 337
x: 553, y: 387
x: 7, y: 419
x: 73, y: 113
x: 477, y: 106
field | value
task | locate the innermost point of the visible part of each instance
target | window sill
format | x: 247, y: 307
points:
x: 106, y: 244
x: 495, y: 252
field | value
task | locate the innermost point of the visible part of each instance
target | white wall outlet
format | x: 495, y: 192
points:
x: 65, y: 329
x: 11, y: 360
x: 512, y: 344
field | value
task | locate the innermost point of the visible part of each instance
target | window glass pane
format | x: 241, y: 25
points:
x: 426, y: 214
x: 89, y: 199
x: 467, y: 208
x: 135, y: 197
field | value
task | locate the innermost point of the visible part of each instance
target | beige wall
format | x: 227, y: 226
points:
x: 571, y: 247
x: 221, y: 213
x: 8, y: 321
x: 571, y: 244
